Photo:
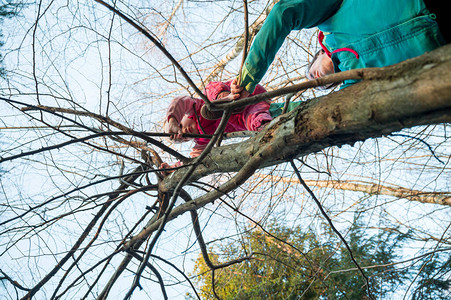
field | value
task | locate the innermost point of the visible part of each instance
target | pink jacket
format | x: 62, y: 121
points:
x: 249, y: 119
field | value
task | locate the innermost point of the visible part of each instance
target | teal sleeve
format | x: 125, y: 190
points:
x: 275, y: 109
x: 284, y: 17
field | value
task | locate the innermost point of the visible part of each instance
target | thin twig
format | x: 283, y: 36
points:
x: 12, y: 102
x: 154, y: 40
x: 420, y: 140
x: 154, y: 270
x: 357, y: 74
x: 74, y: 248
x: 298, y: 174
x: 12, y: 281
x: 246, y: 38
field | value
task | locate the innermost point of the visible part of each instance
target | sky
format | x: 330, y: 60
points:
x: 80, y: 56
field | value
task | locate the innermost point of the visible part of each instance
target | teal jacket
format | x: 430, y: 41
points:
x: 382, y: 32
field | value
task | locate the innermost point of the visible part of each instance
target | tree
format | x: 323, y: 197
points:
x: 288, y: 263
x: 86, y: 207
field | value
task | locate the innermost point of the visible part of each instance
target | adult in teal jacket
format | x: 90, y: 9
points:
x: 357, y: 34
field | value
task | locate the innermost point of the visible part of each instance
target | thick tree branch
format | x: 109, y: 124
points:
x: 443, y: 198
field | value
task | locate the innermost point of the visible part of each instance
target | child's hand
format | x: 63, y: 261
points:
x: 236, y: 89
x: 173, y: 127
x: 227, y: 97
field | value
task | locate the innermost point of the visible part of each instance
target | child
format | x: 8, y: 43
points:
x: 184, y: 116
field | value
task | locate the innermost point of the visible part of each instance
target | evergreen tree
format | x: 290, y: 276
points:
x: 291, y: 263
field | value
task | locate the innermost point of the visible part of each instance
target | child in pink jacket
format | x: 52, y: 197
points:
x: 184, y: 116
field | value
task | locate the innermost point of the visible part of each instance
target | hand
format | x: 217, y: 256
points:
x: 236, y: 90
x: 173, y: 127
x: 227, y: 97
